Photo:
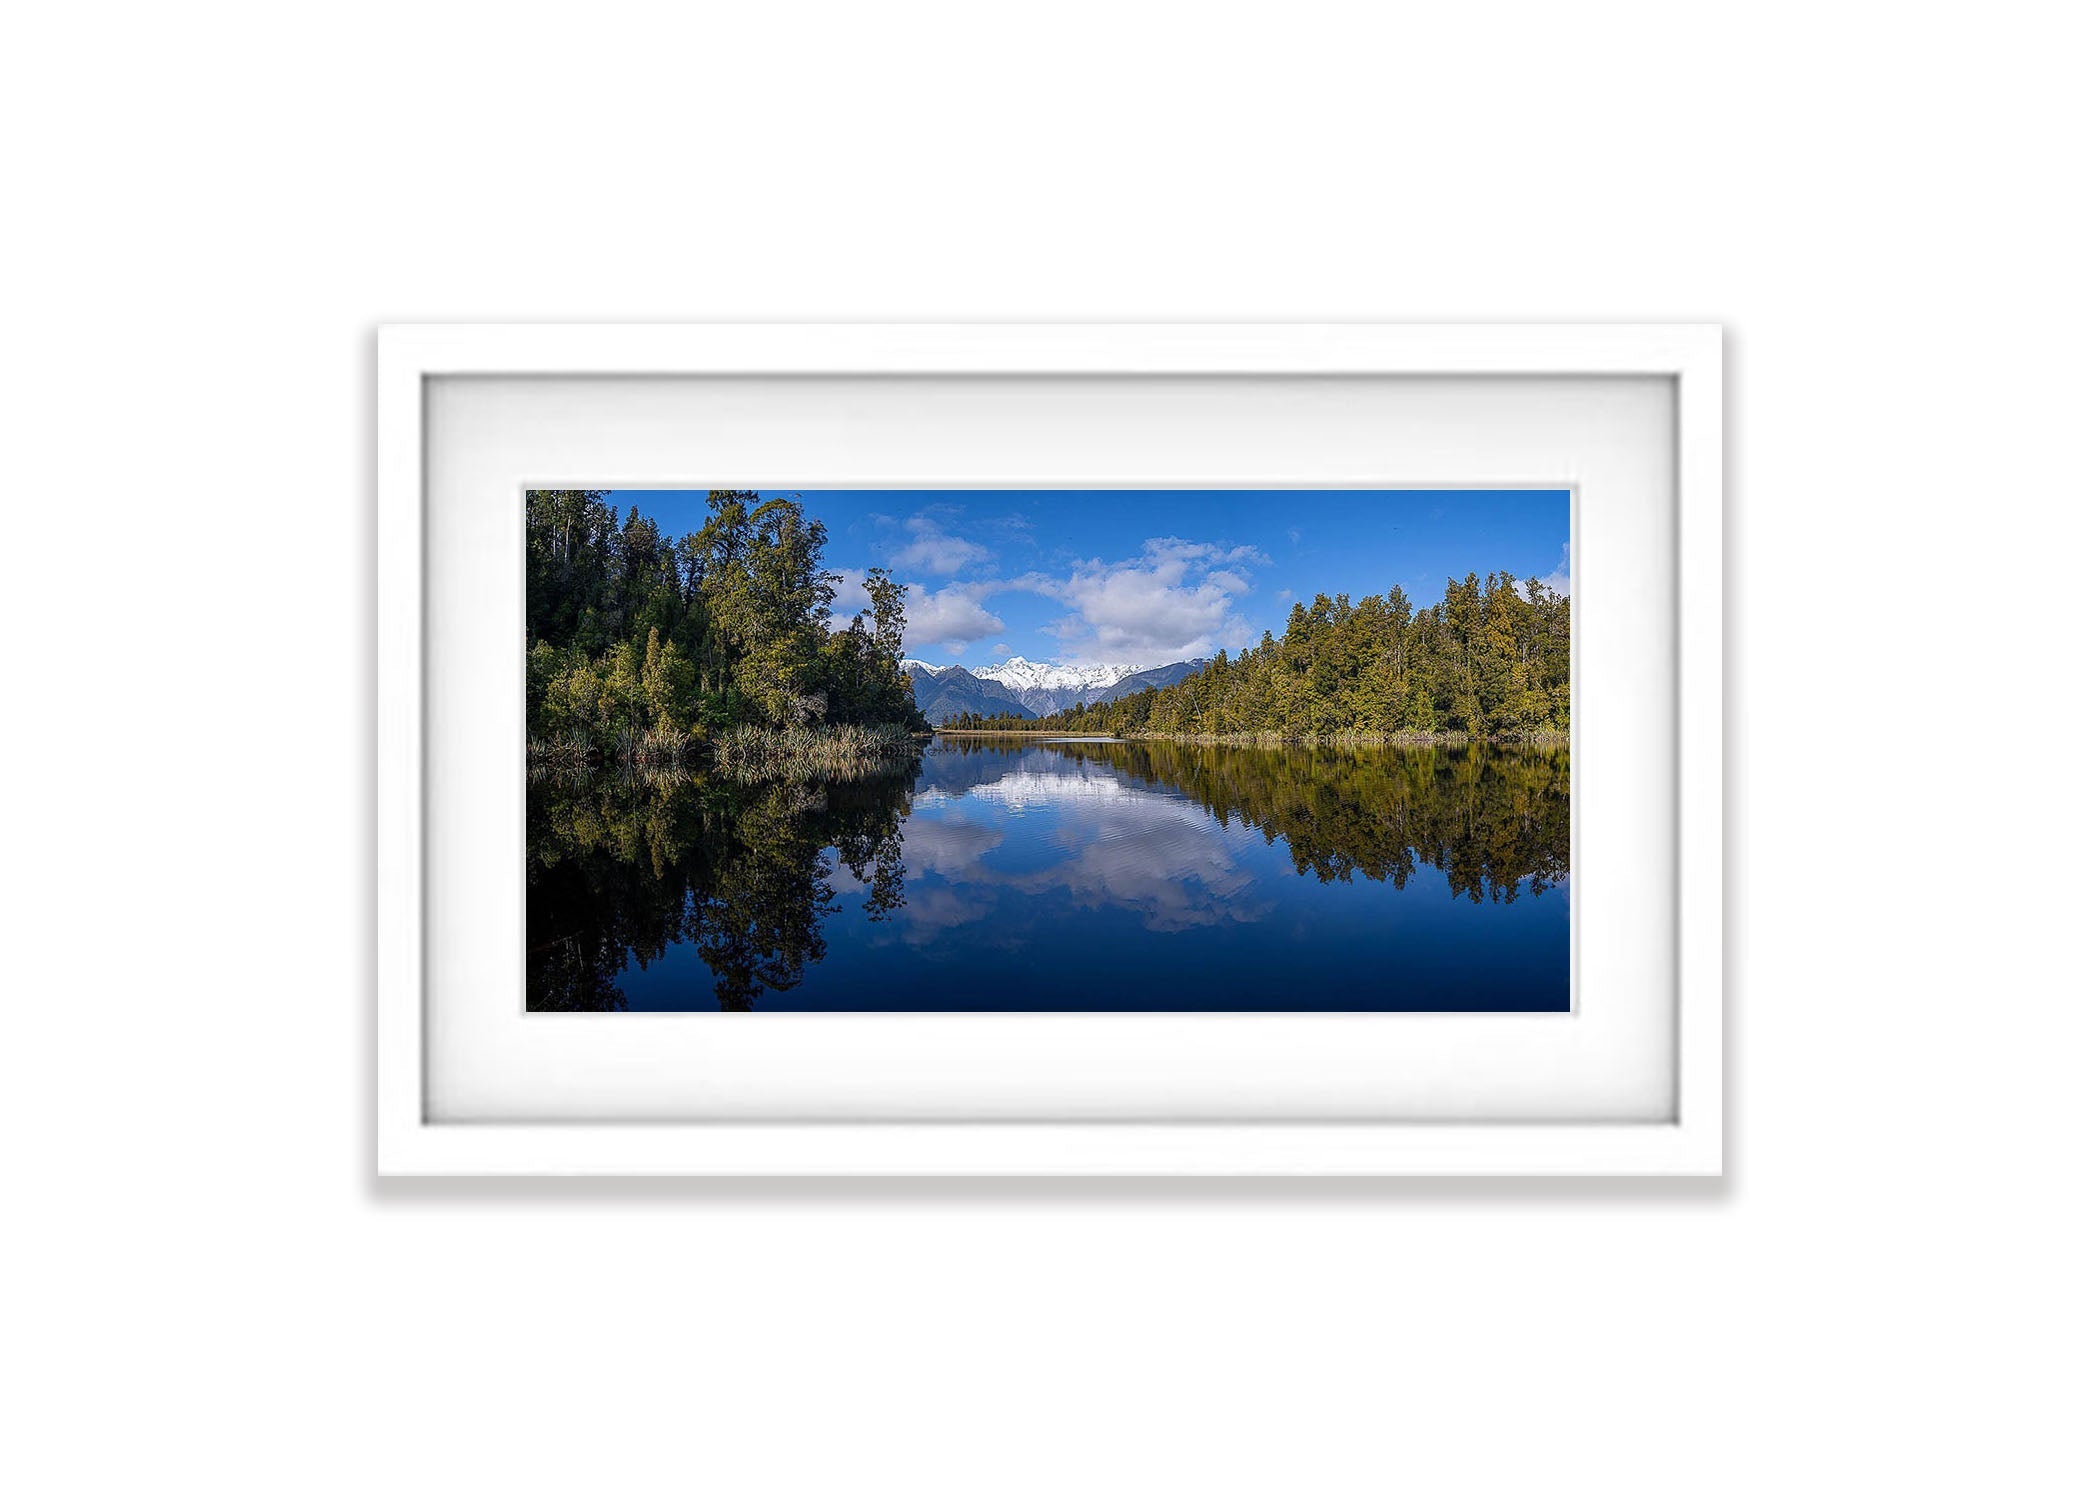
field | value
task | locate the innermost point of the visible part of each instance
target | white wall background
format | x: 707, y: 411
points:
x: 208, y: 207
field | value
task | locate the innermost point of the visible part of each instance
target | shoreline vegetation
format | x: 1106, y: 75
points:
x: 1544, y: 739
x: 717, y: 653
x: 747, y: 752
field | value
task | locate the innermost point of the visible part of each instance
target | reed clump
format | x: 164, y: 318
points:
x: 560, y: 755
x: 663, y: 748
x: 660, y: 750
x: 750, y: 752
x: 746, y: 753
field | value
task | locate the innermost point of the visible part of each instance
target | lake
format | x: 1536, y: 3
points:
x: 1063, y: 875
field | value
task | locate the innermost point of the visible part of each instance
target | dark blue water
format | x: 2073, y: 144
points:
x: 1030, y: 875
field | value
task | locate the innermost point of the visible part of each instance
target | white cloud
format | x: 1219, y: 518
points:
x: 1176, y: 600
x: 1558, y: 580
x: 1146, y: 609
x: 932, y: 549
x: 850, y: 597
x: 1172, y: 549
x: 1037, y: 583
x: 951, y: 617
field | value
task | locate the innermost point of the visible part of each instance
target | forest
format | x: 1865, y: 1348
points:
x: 644, y: 648
x: 1490, y: 660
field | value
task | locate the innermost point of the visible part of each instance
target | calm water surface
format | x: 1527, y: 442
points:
x: 1000, y: 874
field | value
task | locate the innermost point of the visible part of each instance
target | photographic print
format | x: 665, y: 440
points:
x: 1080, y: 750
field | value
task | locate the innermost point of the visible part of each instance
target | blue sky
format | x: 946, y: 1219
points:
x: 1150, y: 576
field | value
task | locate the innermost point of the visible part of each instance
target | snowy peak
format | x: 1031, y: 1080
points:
x: 1020, y: 674
x: 1037, y: 687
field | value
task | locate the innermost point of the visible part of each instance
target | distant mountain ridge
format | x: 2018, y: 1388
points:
x: 1030, y: 689
x: 945, y: 693
x: 1047, y: 687
x: 1152, y: 677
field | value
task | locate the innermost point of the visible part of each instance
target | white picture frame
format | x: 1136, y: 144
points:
x: 1687, y: 1140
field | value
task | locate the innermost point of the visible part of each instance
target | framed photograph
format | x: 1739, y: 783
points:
x: 1076, y: 750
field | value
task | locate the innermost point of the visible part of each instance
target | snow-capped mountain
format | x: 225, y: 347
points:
x: 1020, y: 674
x: 1045, y: 687
x: 945, y: 693
x: 1151, y: 677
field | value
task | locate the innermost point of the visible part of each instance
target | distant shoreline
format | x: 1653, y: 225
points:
x: 1279, y: 740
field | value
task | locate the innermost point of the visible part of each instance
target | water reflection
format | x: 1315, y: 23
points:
x: 622, y: 869
x: 999, y: 874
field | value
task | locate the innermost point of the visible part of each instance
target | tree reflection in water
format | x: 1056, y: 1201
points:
x: 622, y: 869
x: 1493, y: 820
x: 622, y: 865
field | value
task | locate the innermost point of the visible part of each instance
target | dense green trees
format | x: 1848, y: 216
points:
x: 637, y: 642
x: 1489, y: 660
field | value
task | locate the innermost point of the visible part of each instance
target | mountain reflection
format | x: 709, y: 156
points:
x: 1115, y: 845
x: 945, y: 883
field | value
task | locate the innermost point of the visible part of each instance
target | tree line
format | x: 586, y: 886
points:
x: 639, y: 643
x: 1490, y: 660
